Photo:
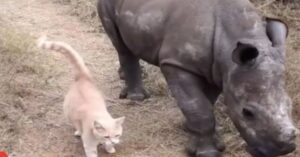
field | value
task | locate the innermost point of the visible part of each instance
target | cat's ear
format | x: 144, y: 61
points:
x: 120, y: 121
x: 98, y: 126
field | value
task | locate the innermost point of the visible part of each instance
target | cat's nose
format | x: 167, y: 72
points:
x: 115, y: 141
x: 108, y: 142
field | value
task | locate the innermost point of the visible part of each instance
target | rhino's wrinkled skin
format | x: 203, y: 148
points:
x: 205, y: 47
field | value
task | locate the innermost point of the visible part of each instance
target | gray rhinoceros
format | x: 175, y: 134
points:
x: 203, y: 48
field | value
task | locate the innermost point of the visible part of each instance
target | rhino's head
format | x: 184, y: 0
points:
x: 255, y: 94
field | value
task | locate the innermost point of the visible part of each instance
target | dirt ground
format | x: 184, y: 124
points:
x: 33, y: 83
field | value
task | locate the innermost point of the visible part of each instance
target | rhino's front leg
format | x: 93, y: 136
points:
x: 197, y: 107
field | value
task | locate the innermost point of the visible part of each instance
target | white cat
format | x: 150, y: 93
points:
x: 84, y: 105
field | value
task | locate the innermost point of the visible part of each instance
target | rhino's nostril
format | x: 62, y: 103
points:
x: 248, y: 114
x: 292, y: 138
x: 289, y: 136
x: 292, y: 135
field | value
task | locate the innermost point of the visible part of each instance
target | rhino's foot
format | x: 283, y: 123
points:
x: 215, y: 139
x: 205, y: 147
x: 138, y: 94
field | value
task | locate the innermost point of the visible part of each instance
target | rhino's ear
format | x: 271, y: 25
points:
x: 245, y: 54
x: 277, y: 31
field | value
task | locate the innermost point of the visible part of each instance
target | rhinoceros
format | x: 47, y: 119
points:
x: 205, y: 48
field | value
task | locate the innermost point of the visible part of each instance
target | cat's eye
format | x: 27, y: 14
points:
x: 107, y: 137
x: 117, y: 136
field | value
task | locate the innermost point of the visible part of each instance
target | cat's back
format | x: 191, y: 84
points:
x: 84, y: 97
x: 87, y: 91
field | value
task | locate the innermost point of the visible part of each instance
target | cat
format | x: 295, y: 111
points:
x: 84, y: 105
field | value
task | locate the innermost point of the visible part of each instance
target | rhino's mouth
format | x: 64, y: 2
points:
x: 256, y: 152
x: 263, y: 152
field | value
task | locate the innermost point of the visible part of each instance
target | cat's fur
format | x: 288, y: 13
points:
x: 84, y: 105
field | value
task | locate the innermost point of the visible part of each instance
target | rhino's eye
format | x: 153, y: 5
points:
x: 248, y: 114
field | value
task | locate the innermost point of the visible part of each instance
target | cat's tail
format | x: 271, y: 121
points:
x: 76, y: 60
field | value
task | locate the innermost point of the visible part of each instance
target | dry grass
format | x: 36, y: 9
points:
x: 85, y: 10
x: 22, y: 65
x: 22, y: 73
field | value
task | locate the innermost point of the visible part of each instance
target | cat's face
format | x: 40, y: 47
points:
x: 109, y: 131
